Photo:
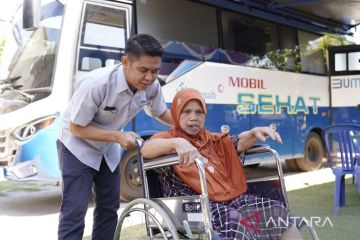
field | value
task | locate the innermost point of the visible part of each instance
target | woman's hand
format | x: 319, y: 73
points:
x: 262, y: 132
x: 187, y: 152
x: 249, y: 138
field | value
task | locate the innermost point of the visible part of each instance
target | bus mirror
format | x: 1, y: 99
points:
x: 358, y: 107
x: 31, y: 14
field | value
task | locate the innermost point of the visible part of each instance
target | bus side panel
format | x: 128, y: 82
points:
x: 285, y: 125
x: 345, y: 96
x: 344, y: 115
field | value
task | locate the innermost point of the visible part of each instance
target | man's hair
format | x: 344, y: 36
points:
x: 143, y: 44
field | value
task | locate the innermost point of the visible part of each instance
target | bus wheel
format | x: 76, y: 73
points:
x: 291, y: 164
x: 314, y: 153
x: 130, y: 180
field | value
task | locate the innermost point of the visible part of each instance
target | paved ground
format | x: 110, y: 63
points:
x: 34, y: 215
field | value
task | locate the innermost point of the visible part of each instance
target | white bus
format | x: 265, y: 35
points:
x: 252, y: 66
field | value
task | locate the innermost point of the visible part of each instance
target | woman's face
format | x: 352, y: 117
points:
x: 192, y: 118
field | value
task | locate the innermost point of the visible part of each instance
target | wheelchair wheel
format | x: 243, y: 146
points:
x: 145, y: 219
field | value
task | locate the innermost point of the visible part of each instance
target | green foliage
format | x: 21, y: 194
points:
x: 289, y: 59
x: 279, y: 59
x: 285, y: 59
x: 322, y: 45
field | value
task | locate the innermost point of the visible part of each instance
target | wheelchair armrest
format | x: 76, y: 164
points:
x: 166, y: 160
x: 260, y: 148
x: 162, y: 161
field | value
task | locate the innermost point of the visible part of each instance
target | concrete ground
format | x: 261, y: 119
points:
x: 34, y: 214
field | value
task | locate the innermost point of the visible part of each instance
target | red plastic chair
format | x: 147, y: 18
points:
x: 342, y: 144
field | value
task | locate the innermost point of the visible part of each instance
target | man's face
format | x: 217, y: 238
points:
x: 142, y: 72
x: 192, y: 118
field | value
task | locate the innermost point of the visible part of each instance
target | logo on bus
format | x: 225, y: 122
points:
x: 208, y: 95
x: 250, y: 103
x: 243, y: 82
x: 337, y: 83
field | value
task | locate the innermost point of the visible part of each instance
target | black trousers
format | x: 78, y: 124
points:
x: 78, y: 182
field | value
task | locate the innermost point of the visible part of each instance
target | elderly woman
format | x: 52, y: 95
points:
x: 234, y: 213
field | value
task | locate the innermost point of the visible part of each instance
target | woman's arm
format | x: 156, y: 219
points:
x: 249, y: 138
x: 162, y: 146
x: 158, y: 146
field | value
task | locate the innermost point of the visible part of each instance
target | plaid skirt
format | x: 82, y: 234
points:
x: 249, y: 217
x: 246, y: 217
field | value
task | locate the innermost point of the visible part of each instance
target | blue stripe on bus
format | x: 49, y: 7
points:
x: 346, y: 115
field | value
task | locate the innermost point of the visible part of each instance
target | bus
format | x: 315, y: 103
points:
x: 254, y: 67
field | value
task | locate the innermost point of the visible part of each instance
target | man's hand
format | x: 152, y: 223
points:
x: 187, y: 152
x: 262, y: 132
x: 127, y: 140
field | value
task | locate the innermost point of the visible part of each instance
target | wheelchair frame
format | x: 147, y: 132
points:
x: 170, y: 208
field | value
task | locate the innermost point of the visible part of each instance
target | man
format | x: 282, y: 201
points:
x: 90, y: 136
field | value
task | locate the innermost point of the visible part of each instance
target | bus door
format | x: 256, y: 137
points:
x: 104, y: 29
x: 344, y: 66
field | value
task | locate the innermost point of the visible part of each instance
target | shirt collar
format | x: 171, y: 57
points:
x: 121, y: 84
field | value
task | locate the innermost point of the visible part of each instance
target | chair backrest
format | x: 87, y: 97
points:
x: 342, y: 142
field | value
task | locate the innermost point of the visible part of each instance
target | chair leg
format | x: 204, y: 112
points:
x: 353, y: 178
x: 339, y: 193
x: 357, y: 173
x: 342, y: 191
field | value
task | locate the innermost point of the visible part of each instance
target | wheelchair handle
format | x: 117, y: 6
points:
x: 139, y: 142
x: 204, y: 197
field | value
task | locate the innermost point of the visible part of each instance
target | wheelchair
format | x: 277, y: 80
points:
x: 185, y: 217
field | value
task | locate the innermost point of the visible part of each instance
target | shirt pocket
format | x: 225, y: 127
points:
x: 105, y: 116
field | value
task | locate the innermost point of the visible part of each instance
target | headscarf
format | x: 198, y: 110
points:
x: 227, y: 181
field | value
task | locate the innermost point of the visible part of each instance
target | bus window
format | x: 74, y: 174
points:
x: 354, y: 61
x: 103, y: 36
x: 242, y: 33
x: 110, y: 62
x: 178, y: 20
x: 289, y: 49
x: 186, y: 30
x: 312, y: 61
x: 89, y: 63
x: 340, y: 62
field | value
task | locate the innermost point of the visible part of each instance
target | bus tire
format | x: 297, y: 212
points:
x: 313, y: 154
x: 292, y: 165
x: 130, y: 180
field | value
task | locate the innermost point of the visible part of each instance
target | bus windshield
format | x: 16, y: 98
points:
x: 28, y: 59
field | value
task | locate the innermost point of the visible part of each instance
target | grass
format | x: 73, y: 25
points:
x: 7, y: 186
x: 317, y: 201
